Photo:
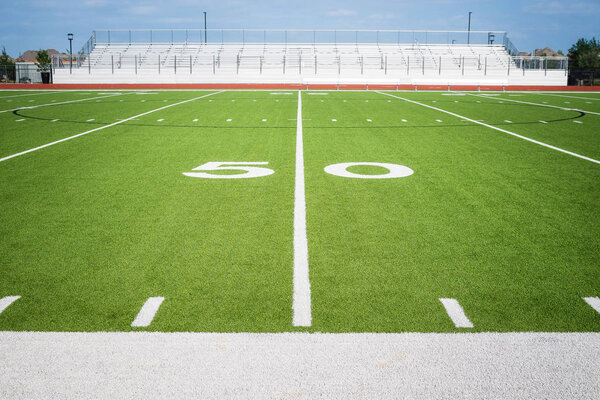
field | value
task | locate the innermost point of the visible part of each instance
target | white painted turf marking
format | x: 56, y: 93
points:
x: 160, y: 120
x: 497, y: 129
x: 545, y: 104
x: 147, y: 313
x: 318, y: 94
x: 301, y: 305
x: 62, y: 102
x: 7, y: 301
x: 229, y: 119
x: 155, y: 365
x: 19, y: 120
x: 594, y: 302
x: 333, y: 120
x: 578, y: 122
x: 456, y: 313
x: 29, y: 94
x: 264, y: 120
x: 570, y: 97
x: 103, y: 127
x: 90, y: 120
x: 195, y: 120
x: 507, y: 121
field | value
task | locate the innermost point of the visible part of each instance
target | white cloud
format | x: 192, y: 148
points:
x: 341, y: 13
x: 143, y: 10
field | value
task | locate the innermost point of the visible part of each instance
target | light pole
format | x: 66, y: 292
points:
x: 204, y: 27
x: 469, y: 29
x: 70, y: 36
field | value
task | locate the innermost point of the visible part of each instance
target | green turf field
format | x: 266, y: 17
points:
x: 93, y: 226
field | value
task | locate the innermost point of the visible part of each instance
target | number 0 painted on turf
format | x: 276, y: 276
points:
x: 251, y: 172
x: 395, y: 170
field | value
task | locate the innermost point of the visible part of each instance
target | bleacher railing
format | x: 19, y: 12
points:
x: 304, y: 52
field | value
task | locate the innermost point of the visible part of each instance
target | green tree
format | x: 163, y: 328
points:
x: 7, y: 67
x: 585, y: 54
x: 44, y: 62
x: 5, y: 58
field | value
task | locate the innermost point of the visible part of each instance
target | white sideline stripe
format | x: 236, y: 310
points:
x: 594, y: 302
x: 155, y: 365
x: 545, y: 104
x: 148, y: 311
x: 102, y: 127
x: 497, y: 129
x: 456, y: 313
x: 62, y: 102
x: 569, y: 97
x: 7, y: 301
x: 301, y: 305
x: 278, y: 93
x: 318, y: 94
x: 32, y: 94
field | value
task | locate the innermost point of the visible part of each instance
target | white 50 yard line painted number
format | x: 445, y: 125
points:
x: 394, y: 170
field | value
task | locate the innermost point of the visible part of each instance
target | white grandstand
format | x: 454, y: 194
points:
x: 394, y: 57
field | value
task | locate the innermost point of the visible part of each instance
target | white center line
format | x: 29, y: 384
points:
x: 148, y: 311
x: 7, y: 301
x: 301, y: 305
x: 456, y: 313
x: 496, y: 128
x: 103, y: 127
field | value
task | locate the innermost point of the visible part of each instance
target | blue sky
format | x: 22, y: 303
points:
x: 33, y: 24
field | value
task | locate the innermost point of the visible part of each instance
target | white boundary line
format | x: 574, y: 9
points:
x: 148, y: 311
x: 63, y: 102
x: 151, y: 365
x: 535, y: 104
x: 104, y: 127
x: 496, y: 128
x: 301, y: 300
x: 7, y: 301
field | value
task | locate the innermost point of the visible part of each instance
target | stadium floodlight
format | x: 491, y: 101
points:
x: 205, y: 27
x: 469, y: 29
x: 70, y: 37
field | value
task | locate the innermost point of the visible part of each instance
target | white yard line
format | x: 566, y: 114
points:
x: 594, y: 302
x: 569, y: 97
x: 31, y: 94
x: 538, y: 104
x: 456, y: 313
x: 62, y: 102
x: 154, y: 365
x: 301, y: 299
x: 7, y: 301
x: 148, y: 311
x: 103, y: 127
x: 497, y: 129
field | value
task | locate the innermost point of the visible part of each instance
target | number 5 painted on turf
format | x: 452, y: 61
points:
x: 251, y: 172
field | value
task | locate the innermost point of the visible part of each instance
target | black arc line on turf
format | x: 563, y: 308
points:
x: 580, y: 114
